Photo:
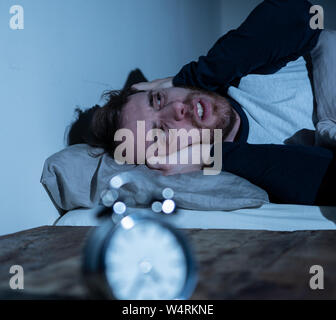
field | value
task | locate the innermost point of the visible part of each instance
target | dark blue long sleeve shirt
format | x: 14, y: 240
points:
x: 290, y: 174
x: 275, y: 33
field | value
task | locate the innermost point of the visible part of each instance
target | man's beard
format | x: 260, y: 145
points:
x: 222, y: 110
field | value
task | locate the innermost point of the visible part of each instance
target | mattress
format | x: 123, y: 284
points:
x: 271, y: 217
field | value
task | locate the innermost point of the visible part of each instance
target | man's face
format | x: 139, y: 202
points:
x: 177, y: 108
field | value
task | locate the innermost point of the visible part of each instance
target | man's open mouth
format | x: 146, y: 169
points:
x: 201, y: 109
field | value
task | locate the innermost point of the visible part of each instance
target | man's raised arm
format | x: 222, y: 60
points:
x: 276, y: 32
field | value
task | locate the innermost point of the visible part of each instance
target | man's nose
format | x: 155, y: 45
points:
x: 180, y: 110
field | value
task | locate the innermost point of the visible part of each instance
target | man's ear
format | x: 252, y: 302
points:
x: 134, y: 77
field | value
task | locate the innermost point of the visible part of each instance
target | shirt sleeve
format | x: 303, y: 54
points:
x: 276, y: 32
x: 289, y: 174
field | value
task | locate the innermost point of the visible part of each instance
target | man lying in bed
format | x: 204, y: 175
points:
x: 275, y: 34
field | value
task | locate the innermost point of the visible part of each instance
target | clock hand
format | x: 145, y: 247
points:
x: 155, y: 275
x: 136, y: 286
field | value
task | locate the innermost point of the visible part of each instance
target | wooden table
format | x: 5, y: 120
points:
x: 234, y: 264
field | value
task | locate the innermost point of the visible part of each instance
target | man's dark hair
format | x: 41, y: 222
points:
x: 97, y: 126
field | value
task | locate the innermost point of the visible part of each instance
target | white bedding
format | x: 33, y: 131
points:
x: 270, y: 217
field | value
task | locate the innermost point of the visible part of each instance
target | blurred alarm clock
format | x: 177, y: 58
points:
x: 140, y: 258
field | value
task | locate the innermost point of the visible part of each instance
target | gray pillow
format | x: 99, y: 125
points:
x: 324, y: 72
x: 75, y: 179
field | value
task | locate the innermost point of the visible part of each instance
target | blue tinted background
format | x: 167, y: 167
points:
x: 67, y: 55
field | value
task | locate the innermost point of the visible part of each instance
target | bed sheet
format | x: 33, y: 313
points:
x: 271, y: 217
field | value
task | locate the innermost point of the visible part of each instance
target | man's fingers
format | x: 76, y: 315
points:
x: 143, y: 86
x: 165, y: 169
x: 153, y: 164
x: 165, y: 83
x: 154, y: 85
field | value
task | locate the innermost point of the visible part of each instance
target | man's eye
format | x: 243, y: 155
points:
x: 158, y: 99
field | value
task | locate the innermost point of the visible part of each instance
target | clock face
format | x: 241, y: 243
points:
x: 145, y: 262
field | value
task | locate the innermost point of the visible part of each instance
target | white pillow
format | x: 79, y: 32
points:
x: 75, y: 179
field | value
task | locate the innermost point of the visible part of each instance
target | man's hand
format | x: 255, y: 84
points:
x: 173, y: 169
x: 189, y: 159
x: 154, y: 85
